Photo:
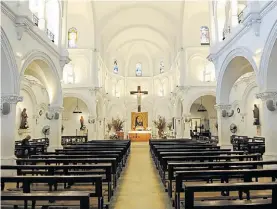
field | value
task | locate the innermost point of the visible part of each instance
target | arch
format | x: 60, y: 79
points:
x: 104, y: 21
x: 80, y: 97
x: 49, y: 70
x: 246, y: 93
x: 30, y: 91
x: 122, y: 30
x: 194, y: 97
x: 266, y: 56
x: 12, y: 71
x: 227, y: 76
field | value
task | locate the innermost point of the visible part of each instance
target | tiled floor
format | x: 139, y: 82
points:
x: 139, y: 186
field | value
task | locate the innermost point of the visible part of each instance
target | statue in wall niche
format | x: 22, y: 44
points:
x: 256, y: 115
x: 82, y: 123
x: 24, y: 122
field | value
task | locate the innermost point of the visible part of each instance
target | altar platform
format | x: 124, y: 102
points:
x: 139, y: 136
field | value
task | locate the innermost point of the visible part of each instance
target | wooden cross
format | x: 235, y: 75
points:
x: 139, y: 93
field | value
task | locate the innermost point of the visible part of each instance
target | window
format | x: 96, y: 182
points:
x: 72, y: 38
x: 68, y: 74
x: 115, y: 67
x: 204, y: 35
x: 138, y: 69
x: 161, y: 66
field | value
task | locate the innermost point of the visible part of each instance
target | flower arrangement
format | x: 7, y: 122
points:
x: 114, y: 136
x: 160, y: 124
x: 117, y: 124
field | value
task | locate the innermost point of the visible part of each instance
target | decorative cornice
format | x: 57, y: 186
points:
x: 223, y: 107
x: 11, y: 99
x: 264, y: 96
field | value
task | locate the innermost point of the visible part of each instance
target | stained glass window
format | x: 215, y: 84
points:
x: 161, y: 66
x: 72, y: 38
x: 138, y: 69
x: 115, y: 67
x: 204, y: 35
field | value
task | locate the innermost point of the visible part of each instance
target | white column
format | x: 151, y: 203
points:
x: 268, y: 125
x: 8, y: 130
x: 186, y: 121
x: 214, y: 24
x: 64, y: 33
x: 41, y: 15
x: 94, y: 68
x: 223, y: 127
x: 179, y: 127
x: 55, y: 127
x: 227, y: 23
x: 91, y: 127
x: 182, y: 68
x: 234, y: 13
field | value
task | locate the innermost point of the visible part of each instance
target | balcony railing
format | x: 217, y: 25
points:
x: 240, y: 17
x: 50, y: 35
x: 35, y: 20
x: 226, y: 32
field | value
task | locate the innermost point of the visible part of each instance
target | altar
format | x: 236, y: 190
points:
x: 139, y: 136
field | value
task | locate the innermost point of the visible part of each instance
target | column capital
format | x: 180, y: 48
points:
x: 223, y: 107
x: 11, y: 99
x: 55, y: 109
x: 269, y: 95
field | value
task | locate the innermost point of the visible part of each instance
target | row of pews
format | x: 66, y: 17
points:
x: 202, y: 175
x: 249, y: 144
x: 81, y: 176
x: 36, y: 147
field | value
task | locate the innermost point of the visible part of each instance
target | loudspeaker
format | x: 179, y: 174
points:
x: 57, y: 115
x: 173, y: 123
x: 270, y: 105
x: 6, y: 108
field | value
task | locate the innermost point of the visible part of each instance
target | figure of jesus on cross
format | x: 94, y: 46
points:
x: 139, y: 93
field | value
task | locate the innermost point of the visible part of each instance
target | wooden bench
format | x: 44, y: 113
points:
x: 82, y: 197
x: 181, y: 166
x: 94, y: 180
x: 224, y: 175
x: 190, y: 190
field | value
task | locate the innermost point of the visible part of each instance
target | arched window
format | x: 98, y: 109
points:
x: 72, y: 38
x: 204, y: 35
x: 138, y: 69
x: 68, y: 74
x: 161, y: 66
x: 115, y: 66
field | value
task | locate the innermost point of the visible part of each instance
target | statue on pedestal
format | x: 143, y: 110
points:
x: 24, y: 122
x: 256, y: 115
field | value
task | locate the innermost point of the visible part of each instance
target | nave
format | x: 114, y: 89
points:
x: 139, y: 186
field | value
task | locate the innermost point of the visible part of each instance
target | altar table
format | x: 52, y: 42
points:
x: 139, y: 136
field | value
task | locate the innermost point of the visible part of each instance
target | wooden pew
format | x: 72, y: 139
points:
x: 82, y: 197
x: 51, y: 170
x: 70, y: 161
x: 238, y: 204
x: 224, y: 175
x: 181, y: 166
x: 27, y: 181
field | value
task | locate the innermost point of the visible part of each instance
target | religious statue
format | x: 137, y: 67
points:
x: 256, y: 115
x: 82, y: 123
x: 24, y: 122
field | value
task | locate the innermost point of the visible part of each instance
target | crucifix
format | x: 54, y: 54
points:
x: 139, y: 93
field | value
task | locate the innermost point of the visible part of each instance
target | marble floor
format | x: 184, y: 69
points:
x: 139, y: 185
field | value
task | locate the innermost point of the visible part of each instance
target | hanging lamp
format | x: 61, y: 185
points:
x: 201, y: 107
x: 77, y: 110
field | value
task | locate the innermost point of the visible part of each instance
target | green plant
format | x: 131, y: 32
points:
x: 160, y: 124
x: 117, y: 124
x: 169, y: 126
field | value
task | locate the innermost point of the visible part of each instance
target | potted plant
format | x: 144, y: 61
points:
x: 160, y: 124
x: 117, y: 124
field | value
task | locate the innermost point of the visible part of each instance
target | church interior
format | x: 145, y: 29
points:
x: 153, y: 104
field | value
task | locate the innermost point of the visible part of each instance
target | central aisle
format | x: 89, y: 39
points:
x: 139, y: 186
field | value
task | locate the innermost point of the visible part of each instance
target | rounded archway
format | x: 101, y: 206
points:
x: 40, y: 66
x: 237, y: 63
x: 74, y: 109
x: 203, y: 116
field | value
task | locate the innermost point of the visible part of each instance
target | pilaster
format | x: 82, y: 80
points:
x: 55, y: 127
x: 8, y: 130
x: 223, y: 126
x: 268, y: 123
